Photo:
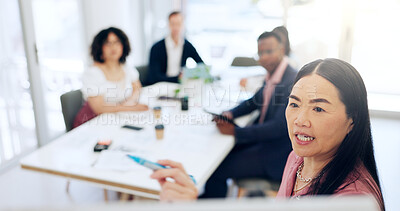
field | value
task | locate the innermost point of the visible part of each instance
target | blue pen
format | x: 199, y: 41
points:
x: 152, y: 165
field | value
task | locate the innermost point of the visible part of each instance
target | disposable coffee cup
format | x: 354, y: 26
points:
x: 157, y: 112
x: 159, y: 132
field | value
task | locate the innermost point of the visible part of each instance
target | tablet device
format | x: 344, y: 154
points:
x: 219, y: 116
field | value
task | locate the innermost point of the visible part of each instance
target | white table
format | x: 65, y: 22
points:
x: 190, y: 138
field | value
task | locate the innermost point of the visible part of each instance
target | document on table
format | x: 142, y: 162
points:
x: 116, y: 160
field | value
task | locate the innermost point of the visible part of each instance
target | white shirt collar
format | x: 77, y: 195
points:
x: 171, y: 44
x: 174, y: 56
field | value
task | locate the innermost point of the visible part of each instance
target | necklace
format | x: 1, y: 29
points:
x: 300, y: 177
x: 296, y: 190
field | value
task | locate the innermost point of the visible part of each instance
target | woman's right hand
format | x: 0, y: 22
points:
x: 183, y: 188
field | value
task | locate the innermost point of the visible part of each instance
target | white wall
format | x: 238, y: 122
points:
x: 155, y: 20
x: 124, y: 14
x: 144, y: 21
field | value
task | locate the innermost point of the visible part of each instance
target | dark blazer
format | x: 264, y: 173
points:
x: 271, y: 135
x: 158, y: 61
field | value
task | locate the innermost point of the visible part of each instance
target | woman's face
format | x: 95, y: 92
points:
x: 112, y: 48
x: 316, y: 118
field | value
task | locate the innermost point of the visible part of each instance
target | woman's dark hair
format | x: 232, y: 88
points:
x: 284, y: 35
x: 101, y: 38
x: 357, y: 145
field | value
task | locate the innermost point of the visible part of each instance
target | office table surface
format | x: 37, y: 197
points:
x: 189, y: 137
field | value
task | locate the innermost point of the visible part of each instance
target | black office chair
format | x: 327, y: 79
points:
x: 143, y: 70
x: 71, y: 103
x: 244, y: 62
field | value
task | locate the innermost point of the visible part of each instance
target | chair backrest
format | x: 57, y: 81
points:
x: 71, y: 103
x: 244, y: 62
x: 143, y: 74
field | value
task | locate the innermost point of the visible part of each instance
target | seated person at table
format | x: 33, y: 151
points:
x: 109, y: 86
x: 168, y: 56
x: 261, y: 149
x: 256, y: 81
x: 330, y: 134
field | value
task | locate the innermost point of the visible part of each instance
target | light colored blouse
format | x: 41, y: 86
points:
x: 174, y: 55
x: 359, y: 182
x: 96, y: 84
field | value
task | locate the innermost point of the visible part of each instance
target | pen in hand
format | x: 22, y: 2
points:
x: 182, y: 188
x: 152, y: 165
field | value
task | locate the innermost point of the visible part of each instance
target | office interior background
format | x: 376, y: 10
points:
x: 44, y: 49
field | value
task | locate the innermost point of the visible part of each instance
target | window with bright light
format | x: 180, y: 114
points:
x: 376, y: 45
x: 61, y: 53
x: 17, y: 123
x: 222, y: 30
x: 314, y: 29
x: 365, y: 33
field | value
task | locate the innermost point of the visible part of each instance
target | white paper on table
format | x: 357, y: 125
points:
x: 116, y: 160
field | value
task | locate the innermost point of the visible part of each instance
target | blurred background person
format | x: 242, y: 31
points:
x: 109, y: 85
x: 169, y: 55
x: 255, y: 82
x: 262, y: 147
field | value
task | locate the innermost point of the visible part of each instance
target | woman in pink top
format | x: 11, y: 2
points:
x: 329, y: 127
